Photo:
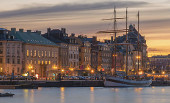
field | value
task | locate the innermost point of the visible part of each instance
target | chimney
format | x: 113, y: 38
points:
x: 72, y: 34
x: 21, y: 30
x: 38, y: 32
x: 48, y: 32
x: 63, y: 30
x: 13, y: 30
x: 28, y: 31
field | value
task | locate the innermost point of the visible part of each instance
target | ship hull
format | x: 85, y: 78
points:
x: 118, y: 82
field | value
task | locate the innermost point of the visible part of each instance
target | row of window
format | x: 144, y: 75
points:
x: 74, y: 64
x: 13, y: 51
x: 13, y: 44
x: 35, y: 53
x: 74, y: 56
x: 107, y: 54
x: 86, y: 59
x: 13, y: 61
x: 73, y: 48
x: 40, y: 62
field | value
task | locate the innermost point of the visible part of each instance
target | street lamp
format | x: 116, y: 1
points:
x: 153, y: 72
x: 92, y: 71
x: 163, y: 72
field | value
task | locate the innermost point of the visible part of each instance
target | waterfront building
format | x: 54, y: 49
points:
x: 11, y: 55
x: 73, y: 52
x: 104, y: 57
x: 94, y: 53
x: 40, y: 56
x: 59, y: 37
x: 160, y: 64
x: 84, y: 53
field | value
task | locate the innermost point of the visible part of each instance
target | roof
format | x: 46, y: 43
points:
x: 2, y: 29
x: 32, y: 38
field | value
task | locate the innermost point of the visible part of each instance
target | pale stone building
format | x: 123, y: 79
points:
x: 40, y: 56
x: 10, y: 54
x: 73, y: 52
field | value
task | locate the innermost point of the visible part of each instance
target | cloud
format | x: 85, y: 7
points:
x: 69, y: 8
x: 153, y: 49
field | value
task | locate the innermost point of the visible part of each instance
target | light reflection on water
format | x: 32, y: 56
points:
x: 89, y: 95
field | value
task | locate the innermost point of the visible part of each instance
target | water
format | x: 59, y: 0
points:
x: 89, y: 95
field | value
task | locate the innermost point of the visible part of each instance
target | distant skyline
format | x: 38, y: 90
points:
x: 85, y: 17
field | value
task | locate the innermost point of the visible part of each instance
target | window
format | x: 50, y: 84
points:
x: 18, y: 51
x: 7, y: 51
x: 1, y: 51
x: 27, y: 53
x: 18, y: 61
x: 49, y: 53
x: 52, y: 54
x: 18, y: 70
x: 8, y: 61
x: 35, y: 53
x: 38, y: 62
x: 31, y: 52
x: 13, y: 61
x: 42, y: 62
x: 42, y: 53
x: 0, y: 60
x: 38, y: 53
x: 46, y: 62
x: 49, y: 62
x: 45, y: 53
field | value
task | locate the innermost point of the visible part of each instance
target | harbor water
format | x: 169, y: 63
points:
x: 88, y: 95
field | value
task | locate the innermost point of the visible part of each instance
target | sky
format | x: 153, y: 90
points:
x: 85, y: 17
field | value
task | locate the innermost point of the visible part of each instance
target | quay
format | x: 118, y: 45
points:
x: 39, y: 83
x: 21, y: 84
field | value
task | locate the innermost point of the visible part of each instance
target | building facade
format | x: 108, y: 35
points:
x: 40, y: 56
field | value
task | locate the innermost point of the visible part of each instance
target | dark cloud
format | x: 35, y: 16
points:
x: 70, y: 8
x: 153, y: 49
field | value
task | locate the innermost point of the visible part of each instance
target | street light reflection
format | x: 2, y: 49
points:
x: 62, y: 89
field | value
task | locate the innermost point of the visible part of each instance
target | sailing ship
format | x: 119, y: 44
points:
x: 116, y: 80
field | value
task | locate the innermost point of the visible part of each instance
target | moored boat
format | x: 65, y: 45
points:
x: 6, y: 94
x: 112, y: 81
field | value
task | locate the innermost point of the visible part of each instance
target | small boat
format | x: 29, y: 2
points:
x: 6, y: 94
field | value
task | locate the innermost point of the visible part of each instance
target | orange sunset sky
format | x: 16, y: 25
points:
x: 85, y: 17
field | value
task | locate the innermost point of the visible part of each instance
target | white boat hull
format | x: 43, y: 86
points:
x: 118, y: 82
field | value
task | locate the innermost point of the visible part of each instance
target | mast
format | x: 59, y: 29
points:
x: 138, y: 57
x: 115, y: 24
x: 126, y: 46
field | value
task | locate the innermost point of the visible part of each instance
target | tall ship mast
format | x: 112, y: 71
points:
x: 124, y: 81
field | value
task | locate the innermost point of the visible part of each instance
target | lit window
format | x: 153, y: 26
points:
x: 42, y: 62
x: 45, y: 53
x: 49, y: 62
x: 38, y: 53
x: 35, y: 53
x: 31, y: 52
x: 42, y: 53
x: 38, y: 62
x: 45, y: 62
x: 27, y: 52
